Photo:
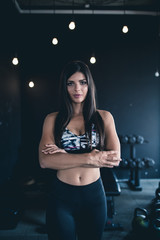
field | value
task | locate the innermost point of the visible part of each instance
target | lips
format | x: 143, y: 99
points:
x: 77, y: 95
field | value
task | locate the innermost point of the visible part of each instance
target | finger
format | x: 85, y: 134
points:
x: 50, y: 144
x: 116, y: 154
x: 52, y: 152
x: 45, y: 152
x: 50, y: 148
x: 49, y: 152
x: 113, y: 163
x: 58, y: 150
x: 108, y: 154
x: 117, y: 159
x: 112, y: 151
x: 96, y: 150
x: 46, y: 149
x: 112, y: 159
x: 108, y: 166
x: 113, y: 155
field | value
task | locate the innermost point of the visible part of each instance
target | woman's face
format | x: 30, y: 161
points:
x: 77, y: 87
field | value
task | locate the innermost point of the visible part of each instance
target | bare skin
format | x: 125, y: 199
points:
x: 78, y: 169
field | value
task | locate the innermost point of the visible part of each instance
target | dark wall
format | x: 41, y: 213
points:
x: 123, y: 74
x: 9, y: 122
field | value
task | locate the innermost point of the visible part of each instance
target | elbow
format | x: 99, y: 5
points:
x: 42, y: 162
x: 42, y: 165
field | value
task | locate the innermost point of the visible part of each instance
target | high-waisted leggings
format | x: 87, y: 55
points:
x: 76, y: 212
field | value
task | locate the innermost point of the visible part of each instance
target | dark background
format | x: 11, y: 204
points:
x: 123, y: 74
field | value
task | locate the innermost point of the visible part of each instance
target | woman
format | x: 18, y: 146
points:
x: 77, y: 141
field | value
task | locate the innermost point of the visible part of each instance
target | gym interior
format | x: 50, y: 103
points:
x: 126, y: 74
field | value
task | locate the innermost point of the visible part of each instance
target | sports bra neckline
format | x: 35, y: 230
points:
x: 80, y: 135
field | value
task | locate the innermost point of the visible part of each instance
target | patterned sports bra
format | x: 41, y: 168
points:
x: 78, y: 143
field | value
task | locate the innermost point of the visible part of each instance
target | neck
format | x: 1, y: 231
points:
x: 77, y: 109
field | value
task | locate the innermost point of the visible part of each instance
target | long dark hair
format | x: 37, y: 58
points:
x: 90, y: 114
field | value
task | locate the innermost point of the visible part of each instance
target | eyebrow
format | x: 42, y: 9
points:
x: 70, y: 80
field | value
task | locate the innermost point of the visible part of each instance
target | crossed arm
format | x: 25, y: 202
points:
x: 50, y: 156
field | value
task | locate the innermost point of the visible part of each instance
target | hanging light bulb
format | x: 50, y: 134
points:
x: 54, y: 41
x: 125, y: 29
x: 157, y: 73
x: 31, y: 84
x: 15, y: 61
x: 72, y: 25
x: 92, y: 60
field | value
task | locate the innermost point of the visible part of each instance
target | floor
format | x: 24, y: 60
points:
x: 32, y: 223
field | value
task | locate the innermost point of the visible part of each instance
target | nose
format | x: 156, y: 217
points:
x: 77, y: 87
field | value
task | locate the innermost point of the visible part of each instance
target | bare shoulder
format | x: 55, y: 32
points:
x: 106, y: 116
x: 49, y: 121
x: 51, y: 117
x: 48, y: 127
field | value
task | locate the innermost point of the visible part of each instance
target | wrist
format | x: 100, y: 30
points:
x: 90, y: 158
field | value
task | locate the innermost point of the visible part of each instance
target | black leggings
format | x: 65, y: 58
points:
x: 76, y: 211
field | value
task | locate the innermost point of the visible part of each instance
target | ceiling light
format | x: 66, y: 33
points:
x: 15, y: 61
x: 157, y: 73
x: 125, y: 29
x: 31, y: 84
x: 72, y: 25
x: 87, y: 5
x: 92, y: 60
x: 54, y: 41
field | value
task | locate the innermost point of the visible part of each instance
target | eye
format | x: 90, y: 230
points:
x: 69, y: 83
x: 83, y: 82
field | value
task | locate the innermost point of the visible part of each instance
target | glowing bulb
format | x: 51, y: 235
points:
x: 72, y: 25
x: 55, y: 41
x: 125, y: 29
x: 157, y: 74
x: 92, y: 60
x: 87, y: 5
x: 31, y: 84
x: 15, y: 61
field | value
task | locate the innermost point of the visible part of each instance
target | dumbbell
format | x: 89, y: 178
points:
x: 131, y: 163
x: 149, y: 162
x: 124, y: 163
x: 124, y: 139
x: 140, y: 163
x: 139, y: 139
x: 131, y: 139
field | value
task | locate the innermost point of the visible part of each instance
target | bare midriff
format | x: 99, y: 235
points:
x: 79, y: 176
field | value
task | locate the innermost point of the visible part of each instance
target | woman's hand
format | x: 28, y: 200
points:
x: 108, y: 159
x: 51, y: 149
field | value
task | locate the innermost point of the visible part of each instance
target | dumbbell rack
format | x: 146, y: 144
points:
x: 134, y: 180
x: 135, y: 164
